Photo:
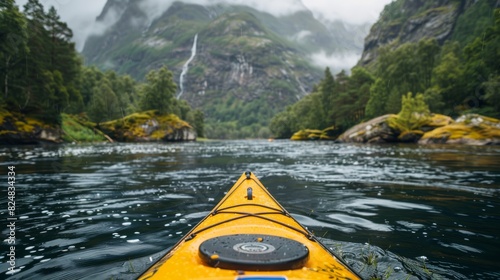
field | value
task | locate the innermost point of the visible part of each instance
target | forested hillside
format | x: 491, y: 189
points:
x: 245, y: 64
x: 43, y: 76
x: 456, y: 76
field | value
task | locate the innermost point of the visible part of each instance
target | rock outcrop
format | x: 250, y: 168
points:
x: 149, y: 127
x: 409, y: 21
x: 16, y: 128
x: 469, y: 129
x: 376, y: 130
x: 329, y: 133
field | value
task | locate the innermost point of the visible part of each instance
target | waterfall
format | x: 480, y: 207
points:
x: 185, y: 67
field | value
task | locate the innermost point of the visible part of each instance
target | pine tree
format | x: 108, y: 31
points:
x: 35, y: 64
x: 13, y: 47
x: 56, y: 96
x: 62, y: 56
x: 378, y: 98
x: 414, y: 113
x: 104, y: 103
x: 199, y: 123
x: 327, y: 91
x: 158, y: 92
x: 448, y: 79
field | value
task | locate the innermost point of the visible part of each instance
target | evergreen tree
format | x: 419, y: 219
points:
x: 492, y: 87
x: 13, y: 47
x: 378, y: 98
x: 158, y: 92
x: 406, y: 69
x: 426, y: 53
x: 281, y: 124
x: 327, y: 91
x: 447, y: 79
x: 198, y: 122
x: 56, y: 96
x: 353, y: 94
x: 104, y: 103
x: 35, y: 63
x: 62, y: 56
x: 482, y: 67
x: 89, y: 78
x: 414, y: 113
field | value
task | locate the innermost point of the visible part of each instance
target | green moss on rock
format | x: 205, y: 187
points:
x: 17, y: 128
x: 469, y: 129
x: 411, y: 136
x: 329, y: 133
x: 420, y: 125
x: 149, y: 126
x: 437, y: 120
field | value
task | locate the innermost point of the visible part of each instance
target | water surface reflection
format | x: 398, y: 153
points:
x: 106, y: 211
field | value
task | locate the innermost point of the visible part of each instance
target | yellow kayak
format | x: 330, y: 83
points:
x: 249, y: 236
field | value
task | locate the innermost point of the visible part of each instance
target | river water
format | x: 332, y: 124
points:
x: 391, y: 211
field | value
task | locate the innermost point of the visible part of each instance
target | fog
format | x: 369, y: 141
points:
x: 336, y: 62
x: 80, y: 14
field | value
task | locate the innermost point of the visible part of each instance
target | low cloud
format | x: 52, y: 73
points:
x: 336, y: 62
x: 352, y: 11
x: 298, y: 37
x: 277, y: 8
x: 81, y: 14
x: 155, y: 8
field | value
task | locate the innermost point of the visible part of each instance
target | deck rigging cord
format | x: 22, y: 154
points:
x: 259, y: 215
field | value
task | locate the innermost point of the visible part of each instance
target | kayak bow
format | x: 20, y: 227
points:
x: 249, y: 235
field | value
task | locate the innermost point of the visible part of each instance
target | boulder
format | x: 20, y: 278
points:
x: 329, y: 133
x: 375, y: 130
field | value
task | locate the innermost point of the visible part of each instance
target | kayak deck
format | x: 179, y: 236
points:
x: 248, y: 221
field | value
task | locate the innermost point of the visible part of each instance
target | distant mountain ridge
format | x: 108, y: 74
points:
x: 248, y: 64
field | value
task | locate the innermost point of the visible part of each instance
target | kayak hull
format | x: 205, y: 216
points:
x: 248, y: 212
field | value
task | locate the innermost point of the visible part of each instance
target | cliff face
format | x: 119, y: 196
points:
x: 409, y: 21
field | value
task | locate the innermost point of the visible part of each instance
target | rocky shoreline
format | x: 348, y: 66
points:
x: 470, y: 129
x: 149, y: 126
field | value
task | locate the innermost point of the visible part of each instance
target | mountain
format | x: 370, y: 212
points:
x: 238, y: 64
x: 410, y: 21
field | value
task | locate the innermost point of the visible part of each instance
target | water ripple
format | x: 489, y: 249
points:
x: 107, y: 206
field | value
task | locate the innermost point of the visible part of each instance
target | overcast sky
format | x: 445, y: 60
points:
x: 80, y: 14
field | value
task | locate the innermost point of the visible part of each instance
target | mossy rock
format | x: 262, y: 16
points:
x: 149, y: 126
x: 413, y: 132
x: 469, y: 129
x: 411, y: 136
x: 435, y: 121
x: 313, y: 134
x: 17, y: 128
